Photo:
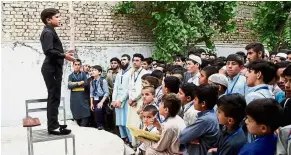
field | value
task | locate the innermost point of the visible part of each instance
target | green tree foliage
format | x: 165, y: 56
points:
x: 272, y: 24
x: 181, y: 24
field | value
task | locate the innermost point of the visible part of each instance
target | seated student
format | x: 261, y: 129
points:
x: 284, y: 141
x: 206, y: 128
x: 259, y: 75
x: 148, y: 95
x: 230, y: 113
x: 148, y: 114
x: 205, y: 73
x: 186, y: 96
x: 169, y: 130
x: 263, y: 117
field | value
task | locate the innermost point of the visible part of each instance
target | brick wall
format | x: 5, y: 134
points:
x: 94, y: 22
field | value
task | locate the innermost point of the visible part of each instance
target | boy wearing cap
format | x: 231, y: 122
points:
x: 236, y: 81
x: 220, y: 80
x: 280, y: 57
x: 193, y: 64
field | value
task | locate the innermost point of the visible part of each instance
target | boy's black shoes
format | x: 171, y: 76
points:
x: 60, y: 131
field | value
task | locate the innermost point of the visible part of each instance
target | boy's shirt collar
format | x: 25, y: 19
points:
x: 202, y: 113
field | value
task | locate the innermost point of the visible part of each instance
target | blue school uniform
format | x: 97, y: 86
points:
x: 237, y: 85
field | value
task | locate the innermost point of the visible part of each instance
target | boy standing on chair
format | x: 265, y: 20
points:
x: 52, y: 68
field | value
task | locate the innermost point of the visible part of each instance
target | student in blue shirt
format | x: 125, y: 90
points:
x: 259, y: 75
x: 203, y: 133
x: 263, y: 118
x: 230, y: 113
x: 236, y: 81
x: 99, y: 93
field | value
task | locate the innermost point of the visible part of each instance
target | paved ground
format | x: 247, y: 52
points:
x: 89, y: 141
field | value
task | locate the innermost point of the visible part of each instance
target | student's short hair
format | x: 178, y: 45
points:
x: 138, y: 55
x: 180, y: 56
x: 256, y: 47
x: 148, y: 60
x: 127, y: 56
x: 288, y: 52
x: 172, y: 102
x: 172, y: 83
x: 274, y: 53
x: 158, y: 74
x: 233, y: 106
x: 78, y: 60
x: 99, y: 68
x: 213, y: 54
x: 151, y: 108
x: 48, y: 13
x: 266, y: 111
x: 188, y: 89
x: 287, y: 71
x: 115, y: 59
x: 207, y: 93
x: 209, y: 70
x: 144, y: 76
x: 153, y: 81
x: 283, y: 64
x: 151, y: 89
x: 237, y: 58
x: 268, y: 69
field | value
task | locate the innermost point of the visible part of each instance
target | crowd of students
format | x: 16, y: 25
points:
x: 199, y: 104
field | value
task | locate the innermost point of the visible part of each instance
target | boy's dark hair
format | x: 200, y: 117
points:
x: 139, y: 56
x: 151, y: 89
x: 268, y: 69
x: 241, y: 53
x: 288, y: 52
x: 233, y: 106
x: 287, y: 71
x: 172, y: 102
x: 266, y: 111
x: 48, y: 13
x: 180, y: 56
x: 151, y: 108
x: 207, y: 93
x: 144, y: 76
x: 158, y: 74
x: 274, y: 53
x: 283, y: 64
x: 235, y: 57
x: 115, y: 59
x: 153, y: 81
x: 172, y: 83
x: 78, y: 60
x: 149, y: 61
x: 213, y: 54
x: 196, y: 52
x: 209, y: 70
x: 188, y: 89
x: 257, y: 47
x: 99, y: 68
x: 126, y: 55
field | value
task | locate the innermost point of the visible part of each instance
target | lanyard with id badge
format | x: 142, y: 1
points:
x: 135, y: 79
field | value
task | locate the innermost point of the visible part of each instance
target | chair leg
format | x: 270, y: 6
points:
x: 74, y: 150
x: 32, y: 153
x: 66, y: 146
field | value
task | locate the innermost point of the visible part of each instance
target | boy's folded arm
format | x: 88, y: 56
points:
x: 165, y: 141
x: 193, y: 131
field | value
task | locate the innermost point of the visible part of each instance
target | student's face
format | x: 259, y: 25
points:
x: 114, y: 64
x: 164, y: 88
x: 253, y: 127
x: 203, y: 79
x: 277, y: 59
x: 147, y: 96
x: 203, y: 55
x: 136, y: 62
x: 289, y: 57
x: 124, y: 61
x: 253, y: 56
x: 55, y: 21
x: 288, y: 86
x: 145, y: 65
x: 86, y: 68
x: 91, y: 72
x: 95, y: 72
x: 221, y: 117
x: 182, y: 97
x: 273, y: 57
x: 191, y: 67
x: 198, y: 106
x: 147, y: 118
x: 232, y: 68
x: 179, y: 62
x: 251, y: 77
x: 145, y: 83
x: 162, y: 110
x: 77, y: 66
